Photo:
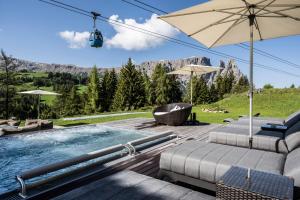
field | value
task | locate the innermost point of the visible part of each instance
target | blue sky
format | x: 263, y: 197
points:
x: 36, y: 31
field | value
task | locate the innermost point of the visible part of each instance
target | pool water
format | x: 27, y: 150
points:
x: 19, y: 153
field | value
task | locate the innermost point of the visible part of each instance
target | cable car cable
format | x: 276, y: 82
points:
x: 174, y: 40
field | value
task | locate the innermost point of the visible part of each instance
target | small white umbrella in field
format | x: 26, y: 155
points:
x: 220, y: 22
x: 39, y: 93
x: 194, y: 70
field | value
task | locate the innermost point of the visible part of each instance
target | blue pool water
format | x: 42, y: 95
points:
x: 23, y: 152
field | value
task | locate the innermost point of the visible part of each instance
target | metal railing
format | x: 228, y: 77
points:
x: 130, y: 146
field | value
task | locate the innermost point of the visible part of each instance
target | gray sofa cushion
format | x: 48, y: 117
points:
x: 292, y: 119
x: 292, y: 166
x: 259, y: 121
x: 293, y: 141
x: 261, y: 142
x: 209, y: 161
x: 295, y: 128
x: 244, y: 130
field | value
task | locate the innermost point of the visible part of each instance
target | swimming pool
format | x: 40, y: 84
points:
x: 23, y: 152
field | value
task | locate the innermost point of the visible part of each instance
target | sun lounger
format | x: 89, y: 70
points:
x: 131, y: 185
x: 203, y: 163
x: 259, y: 121
x: 14, y: 130
x: 238, y: 135
x: 10, y: 122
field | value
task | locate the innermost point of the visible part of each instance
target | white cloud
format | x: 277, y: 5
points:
x: 76, y: 40
x: 132, y: 40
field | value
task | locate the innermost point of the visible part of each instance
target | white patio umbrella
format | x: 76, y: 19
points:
x: 194, y: 70
x: 220, y: 22
x: 39, y: 93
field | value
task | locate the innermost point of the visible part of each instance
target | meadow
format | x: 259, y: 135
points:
x: 270, y: 102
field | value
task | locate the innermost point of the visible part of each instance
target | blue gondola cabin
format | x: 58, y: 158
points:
x: 96, y: 39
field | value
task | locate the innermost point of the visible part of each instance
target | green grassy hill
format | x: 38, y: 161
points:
x: 271, y: 102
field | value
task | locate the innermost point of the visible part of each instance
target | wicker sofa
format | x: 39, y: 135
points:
x: 169, y: 115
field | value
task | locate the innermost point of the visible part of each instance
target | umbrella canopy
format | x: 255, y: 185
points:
x: 194, y: 69
x: 220, y: 22
x: 39, y: 93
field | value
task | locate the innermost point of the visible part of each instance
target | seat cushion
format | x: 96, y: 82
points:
x: 292, y: 166
x: 209, y: 161
x: 295, y: 128
x: 293, y: 141
x: 244, y: 130
x: 258, y: 121
x: 260, y: 142
x: 292, y: 119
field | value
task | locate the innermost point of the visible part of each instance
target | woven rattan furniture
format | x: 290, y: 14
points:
x: 165, y: 115
x: 234, y: 185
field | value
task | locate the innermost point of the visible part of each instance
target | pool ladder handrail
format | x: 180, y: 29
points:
x: 130, y: 146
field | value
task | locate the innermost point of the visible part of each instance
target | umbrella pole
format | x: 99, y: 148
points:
x: 191, y: 88
x: 251, y: 20
x: 38, y: 117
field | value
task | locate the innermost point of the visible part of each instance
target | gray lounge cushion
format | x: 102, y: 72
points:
x: 258, y: 121
x: 293, y: 141
x: 261, y: 142
x: 292, y: 166
x: 295, y: 128
x: 244, y: 130
x: 209, y: 161
x: 292, y: 119
x: 131, y: 185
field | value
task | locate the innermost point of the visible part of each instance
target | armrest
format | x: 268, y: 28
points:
x: 274, y: 127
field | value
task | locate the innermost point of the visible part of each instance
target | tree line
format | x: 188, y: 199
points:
x: 130, y: 89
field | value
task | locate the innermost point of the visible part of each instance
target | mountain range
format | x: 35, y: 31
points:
x: 146, y: 66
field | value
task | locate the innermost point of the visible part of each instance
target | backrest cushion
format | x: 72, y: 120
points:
x: 293, y: 141
x: 295, y: 128
x: 292, y: 166
x: 292, y: 119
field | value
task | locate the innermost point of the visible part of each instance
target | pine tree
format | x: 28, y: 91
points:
x: 7, y: 88
x: 202, y: 91
x: 61, y: 102
x: 130, y: 93
x: 108, y: 89
x: 112, y: 87
x: 74, y: 104
x: 175, y: 92
x: 149, y: 91
x: 162, y: 86
x: 228, y: 82
x: 292, y: 86
x: 220, y: 86
x: 104, y: 92
x: 93, y: 92
x: 242, y: 85
x: 213, y: 94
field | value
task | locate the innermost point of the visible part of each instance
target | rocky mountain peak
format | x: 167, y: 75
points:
x: 147, y: 66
